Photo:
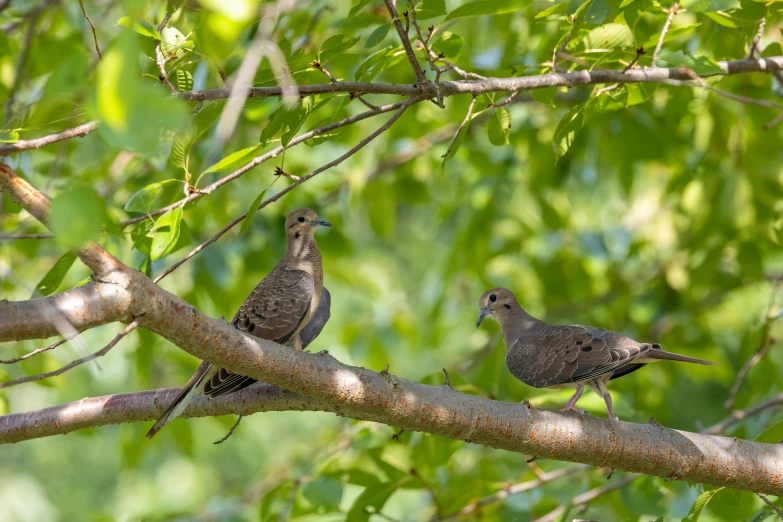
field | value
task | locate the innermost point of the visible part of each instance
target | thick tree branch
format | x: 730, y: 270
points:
x: 522, y: 83
x: 7, y: 149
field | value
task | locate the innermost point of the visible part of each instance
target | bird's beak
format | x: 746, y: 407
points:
x: 484, y: 312
x: 320, y: 222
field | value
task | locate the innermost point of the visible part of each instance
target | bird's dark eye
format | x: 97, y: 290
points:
x: 493, y: 298
x: 300, y: 219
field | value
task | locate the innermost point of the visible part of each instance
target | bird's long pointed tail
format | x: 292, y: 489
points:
x: 185, y: 397
x: 668, y: 356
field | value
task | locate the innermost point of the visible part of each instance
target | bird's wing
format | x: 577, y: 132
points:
x: 317, y: 322
x: 275, y: 310
x: 551, y: 355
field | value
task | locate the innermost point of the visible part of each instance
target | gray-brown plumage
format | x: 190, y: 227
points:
x: 278, y: 309
x: 545, y: 355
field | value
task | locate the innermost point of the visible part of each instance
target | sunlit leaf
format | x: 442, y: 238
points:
x: 486, y: 7
x: 143, y: 200
x: 430, y: 9
x: 54, y: 277
x: 233, y: 160
x: 184, y: 80
x: 165, y: 233
x: 699, y: 505
x: 567, y: 129
x: 499, y: 127
x: 377, y: 36
x: 140, y: 26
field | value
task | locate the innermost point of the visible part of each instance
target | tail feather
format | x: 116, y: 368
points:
x: 185, y: 397
x: 669, y: 356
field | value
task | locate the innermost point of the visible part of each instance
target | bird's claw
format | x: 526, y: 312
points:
x: 573, y: 408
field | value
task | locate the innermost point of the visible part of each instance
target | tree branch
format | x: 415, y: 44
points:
x: 521, y: 83
x: 94, y: 36
x: 160, y: 60
x: 7, y: 149
x: 669, y: 18
x: 406, y: 43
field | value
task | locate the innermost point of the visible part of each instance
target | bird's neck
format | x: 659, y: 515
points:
x: 302, y: 254
x: 515, y: 322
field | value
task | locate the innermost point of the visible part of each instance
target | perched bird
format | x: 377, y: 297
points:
x: 546, y: 355
x: 289, y: 306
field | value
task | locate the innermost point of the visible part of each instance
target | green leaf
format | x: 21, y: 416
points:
x: 772, y: 435
x: 335, y: 45
x: 486, y: 7
x: 499, y: 127
x: 378, y: 62
x: 9, y: 136
x: 179, y: 147
x: 184, y: 80
x: 250, y: 213
x: 709, y: 5
x: 455, y: 147
x: 545, y: 96
x: 356, y: 8
x: 598, y: 12
x: 371, y: 501
x: 139, y: 26
x: 700, y: 503
x: 233, y: 160
x: 761, y: 516
x: 567, y: 129
x: 609, y: 37
x: 377, y: 36
x: 172, y: 41
x: 165, y: 233
x: 449, y: 44
x: 701, y: 65
x: 557, y: 9
x: 143, y: 200
x: 54, y: 277
x: 294, y: 118
x: 671, y: 35
x: 430, y: 9
x: 323, y: 492
x: 77, y: 216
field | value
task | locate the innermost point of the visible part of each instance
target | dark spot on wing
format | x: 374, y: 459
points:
x: 586, y: 348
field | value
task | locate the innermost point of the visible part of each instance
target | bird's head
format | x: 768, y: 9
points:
x: 496, y: 303
x: 302, y: 224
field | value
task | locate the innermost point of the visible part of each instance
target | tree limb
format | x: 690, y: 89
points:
x: 7, y: 149
x: 521, y: 83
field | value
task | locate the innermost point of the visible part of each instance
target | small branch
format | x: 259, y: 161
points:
x: 317, y: 65
x: 454, y: 67
x: 461, y: 126
x: 94, y: 36
x: 6, y: 149
x: 771, y: 504
x: 35, y: 352
x: 505, y: 101
x: 672, y: 13
x: 559, y: 50
x: 28, y: 39
x: 100, y: 353
x: 427, y: 52
x: 586, y: 498
x: 513, y: 489
x: 223, y: 76
x: 12, y: 237
x: 263, y: 158
x: 290, y: 187
x: 757, y: 38
x: 231, y: 431
x: 764, y: 347
x: 160, y: 59
x: 406, y: 43
x: 281, y: 172
x: 738, y: 416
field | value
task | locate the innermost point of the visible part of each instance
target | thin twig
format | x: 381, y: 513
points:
x: 586, y: 498
x: 28, y: 39
x: 461, y: 126
x: 35, y: 352
x: 6, y: 149
x: 11, y: 237
x: 100, y: 353
x: 427, y: 52
x: 406, y: 43
x: 94, y: 36
x: 223, y: 76
x: 317, y: 65
x: 672, y: 13
x: 159, y: 58
x: 773, y: 123
x: 771, y: 504
x: 559, y: 50
x: 261, y: 159
x: 764, y: 347
x: 290, y: 187
x: 231, y: 431
x: 738, y: 416
x: 513, y: 489
x: 757, y: 38
x: 505, y: 101
x: 454, y: 67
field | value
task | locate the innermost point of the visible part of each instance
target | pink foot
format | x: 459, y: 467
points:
x: 573, y: 408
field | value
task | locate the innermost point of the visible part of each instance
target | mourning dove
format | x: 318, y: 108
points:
x: 545, y: 355
x: 279, y: 309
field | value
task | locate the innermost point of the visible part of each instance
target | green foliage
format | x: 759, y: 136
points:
x: 651, y: 209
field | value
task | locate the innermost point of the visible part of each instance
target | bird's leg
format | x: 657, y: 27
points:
x: 600, y: 386
x: 571, y: 406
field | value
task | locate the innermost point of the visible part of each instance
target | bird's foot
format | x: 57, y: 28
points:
x: 574, y: 408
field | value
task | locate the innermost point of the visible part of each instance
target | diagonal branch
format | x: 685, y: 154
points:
x: 160, y: 60
x: 406, y: 42
x: 6, y: 149
x: 672, y: 12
